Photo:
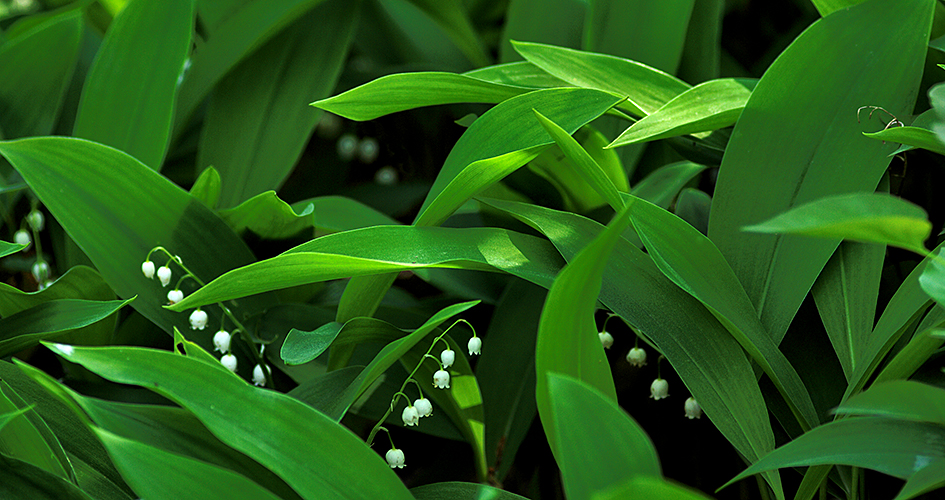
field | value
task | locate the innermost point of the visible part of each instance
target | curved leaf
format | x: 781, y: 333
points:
x: 20, y: 479
x: 910, y: 136
x: 44, y: 321
x: 268, y: 216
x: 899, y: 399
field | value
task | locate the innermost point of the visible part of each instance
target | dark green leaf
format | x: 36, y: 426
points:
x: 910, y: 136
x: 462, y: 491
x: 268, y: 216
x: 20, y: 479
x: 899, y: 399
x: 44, y: 321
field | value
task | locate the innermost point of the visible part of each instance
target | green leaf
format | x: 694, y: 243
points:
x: 692, y: 262
x: 452, y: 17
x: 44, y: 321
x: 383, y: 249
x: 597, y: 453
x: 910, y: 136
x: 116, y: 209
x: 19, y: 479
x: 188, y: 348
x: 6, y: 417
x: 826, y: 7
x: 128, y: 97
x: 260, y: 102
x: 43, y: 58
x: 29, y: 438
x: 899, y: 399
x: 649, y: 487
x: 336, y: 213
x: 503, y: 139
x: 268, y: 216
x: 846, y: 293
x: 798, y: 141
x: 589, y: 170
x: 518, y: 74
x: 462, y: 491
x: 236, y: 36
x: 702, y: 52
x: 297, y: 443
x: 895, y: 447
x: 864, y: 217
x: 301, y: 347
x: 708, y: 106
x: 647, y: 89
x: 710, y: 362
x: 530, y: 20
x: 403, y: 91
x: 7, y: 248
x: 662, y: 184
x: 567, y: 335
x: 179, y: 477
x: 207, y: 187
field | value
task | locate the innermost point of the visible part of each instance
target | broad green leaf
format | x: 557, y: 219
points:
x: 567, y: 341
x: 6, y: 417
x: 297, y: 443
x: 596, y: 454
x: 324, y: 391
x: 864, y: 217
x: 899, y: 399
x: 905, y: 306
x: 932, y: 279
x: 384, y: 249
x: 207, y: 187
x: 692, y: 206
x: 846, y: 293
x: 7, y: 248
x: 826, y: 7
x: 337, y: 213
x: 29, y: 438
x: 910, y: 136
x: 452, y: 17
x: 179, y: 476
x: 268, y: 216
x: 503, y: 139
x: 650, y: 32
x: 895, y: 447
x: 462, y: 491
x: 926, y: 479
x: 702, y: 52
x: 649, y: 487
x: 117, y: 209
x: 257, y: 125
x: 44, y: 321
x: 518, y: 74
x: 921, y: 347
x: 664, y: 183
x: 708, y: 106
x: 128, y: 97
x: 247, y: 28
x: 188, y: 348
x: 403, y: 91
x: 530, y: 20
x: 647, y: 89
x: 42, y: 61
x: 19, y: 479
x: 588, y: 169
x: 709, y: 361
x: 798, y: 140
x: 691, y: 261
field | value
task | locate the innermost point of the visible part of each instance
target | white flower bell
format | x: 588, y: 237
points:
x: 395, y: 458
x: 636, y: 357
x: 22, y: 237
x: 447, y: 357
x: 147, y: 268
x: 164, y: 274
x: 659, y: 389
x: 221, y: 341
x: 606, y: 339
x: 229, y: 361
x: 441, y: 379
x: 36, y: 220
x: 475, y: 345
x: 40, y: 271
x: 175, y: 296
x: 411, y: 416
x: 198, y: 320
x: 424, y: 407
x: 259, y: 376
x: 693, y: 410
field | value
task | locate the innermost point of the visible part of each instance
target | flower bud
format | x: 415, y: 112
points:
x: 424, y: 407
x: 475, y: 345
x: 659, y: 389
x: 447, y: 357
x: 36, y: 220
x: 441, y: 379
x: 229, y: 361
x: 636, y: 357
x: 259, y: 376
x: 606, y: 339
x: 198, y: 320
x: 175, y: 296
x: 693, y: 410
x: 221, y: 341
x: 40, y: 271
x: 22, y: 237
x: 147, y: 268
x: 395, y: 458
x: 164, y: 274
x: 411, y: 416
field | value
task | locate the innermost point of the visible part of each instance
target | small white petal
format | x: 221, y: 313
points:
x: 164, y: 274
x: 259, y: 377
x: 229, y: 361
x: 475, y: 345
x: 447, y: 357
x: 395, y: 458
x: 606, y: 339
x: 147, y: 268
x: 441, y: 379
x: 198, y: 320
x: 40, y: 271
x: 36, y: 220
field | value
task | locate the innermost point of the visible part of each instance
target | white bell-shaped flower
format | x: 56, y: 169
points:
x: 659, y: 389
x: 229, y: 361
x: 606, y: 339
x: 36, y: 220
x: 147, y: 268
x: 22, y: 237
x: 164, y: 274
x: 40, y: 271
x: 175, y: 296
x: 395, y: 458
x: 198, y: 320
x: 447, y: 357
x: 441, y: 379
x: 636, y: 357
x: 424, y: 407
x: 411, y: 416
x: 259, y: 376
x: 693, y: 410
x: 221, y: 341
x: 475, y: 345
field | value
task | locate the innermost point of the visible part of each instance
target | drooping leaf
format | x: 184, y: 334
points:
x: 128, y: 97
x: 337, y: 213
x: 452, y: 17
x: 207, y: 187
x: 19, y: 479
x: 462, y: 491
x: 664, y: 183
x: 899, y: 399
x: 44, y: 321
x: 29, y: 439
x: 7, y: 248
x: 910, y: 136
x: 268, y: 216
